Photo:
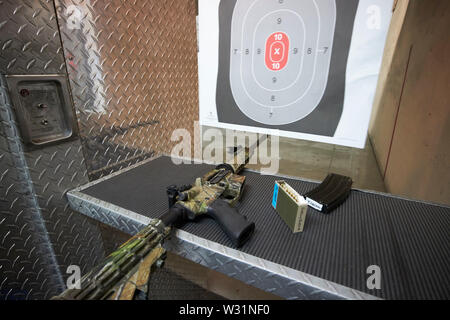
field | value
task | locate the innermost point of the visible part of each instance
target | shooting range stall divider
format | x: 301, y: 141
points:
x: 408, y: 240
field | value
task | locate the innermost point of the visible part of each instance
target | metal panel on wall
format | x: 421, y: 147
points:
x: 30, y: 42
x: 132, y: 67
x: 28, y: 268
x: 41, y: 234
x: 133, y: 71
x: 55, y: 170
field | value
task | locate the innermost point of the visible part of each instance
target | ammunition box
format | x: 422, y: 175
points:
x: 290, y: 205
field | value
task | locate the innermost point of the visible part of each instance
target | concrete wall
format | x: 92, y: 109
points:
x: 410, y: 129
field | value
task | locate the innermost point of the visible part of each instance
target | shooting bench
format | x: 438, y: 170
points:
x: 408, y: 240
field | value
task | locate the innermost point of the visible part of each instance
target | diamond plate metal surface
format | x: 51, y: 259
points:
x: 133, y: 71
x: 41, y: 235
x: 107, y: 213
x: 133, y: 75
x: 253, y: 275
x: 73, y: 239
x: 263, y: 274
x: 28, y: 267
x: 29, y: 41
x: 55, y: 170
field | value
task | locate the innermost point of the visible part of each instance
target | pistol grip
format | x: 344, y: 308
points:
x: 235, y: 225
x: 176, y: 216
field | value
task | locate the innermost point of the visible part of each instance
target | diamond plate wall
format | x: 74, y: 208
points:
x: 40, y: 235
x: 55, y: 170
x: 132, y: 67
x: 28, y: 268
x: 30, y: 42
x: 133, y: 71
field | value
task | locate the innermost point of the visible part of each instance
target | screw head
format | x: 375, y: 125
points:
x: 24, y: 93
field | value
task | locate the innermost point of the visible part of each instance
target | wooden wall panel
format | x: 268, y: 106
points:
x: 416, y: 159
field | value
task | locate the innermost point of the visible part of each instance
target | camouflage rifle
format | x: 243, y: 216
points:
x: 125, y: 273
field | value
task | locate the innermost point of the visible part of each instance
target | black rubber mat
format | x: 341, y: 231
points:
x: 408, y: 240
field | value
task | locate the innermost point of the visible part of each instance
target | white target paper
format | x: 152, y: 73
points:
x: 305, y: 68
